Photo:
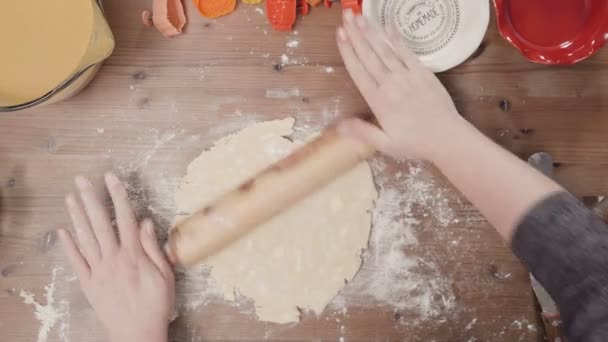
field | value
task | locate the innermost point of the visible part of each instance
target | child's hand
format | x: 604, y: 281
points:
x: 412, y: 107
x: 127, y: 281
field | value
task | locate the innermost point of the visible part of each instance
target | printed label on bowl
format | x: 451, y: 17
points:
x: 426, y: 25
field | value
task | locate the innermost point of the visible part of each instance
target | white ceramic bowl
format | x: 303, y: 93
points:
x: 443, y: 33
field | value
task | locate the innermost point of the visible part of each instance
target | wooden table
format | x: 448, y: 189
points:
x: 157, y: 103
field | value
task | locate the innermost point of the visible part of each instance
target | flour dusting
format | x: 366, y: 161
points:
x: 329, y: 70
x: 282, y: 93
x: 391, y: 273
x: 292, y: 44
x: 143, y: 158
x: 195, y: 288
x: 284, y: 59
x: 291, y: 60
x: 523, y: 324
x: 151, y: 200
x: 52, y: 313
x: 471, y: 323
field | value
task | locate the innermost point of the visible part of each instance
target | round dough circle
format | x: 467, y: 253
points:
x: 302, y: 257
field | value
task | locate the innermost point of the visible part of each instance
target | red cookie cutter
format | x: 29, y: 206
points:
x: 355, y: 5
x: 282, y: 13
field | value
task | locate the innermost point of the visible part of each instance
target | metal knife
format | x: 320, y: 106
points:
x: 543, y: 162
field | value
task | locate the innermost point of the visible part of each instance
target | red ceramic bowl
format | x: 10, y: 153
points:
x: 554, y: 31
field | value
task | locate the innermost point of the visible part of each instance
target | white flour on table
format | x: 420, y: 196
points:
x: 292, y: 44
x: 328, y: 69
x: 390, y: 274
x: 282, y: 93
x: 54, y: 315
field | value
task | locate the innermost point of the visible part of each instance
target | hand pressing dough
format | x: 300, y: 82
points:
x: 302, y: 257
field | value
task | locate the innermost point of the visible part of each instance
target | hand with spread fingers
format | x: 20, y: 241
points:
x: 412, y: 107
x: 127, y: 280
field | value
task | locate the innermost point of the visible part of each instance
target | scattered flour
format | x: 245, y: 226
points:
x: 328, y: 70
x: 259, y: 11
x: 299, y: 60
x: 217, y: 103
x: 52, y: 313
x: 151, y: 192
x: 201, y: 72
x: 292, y: 44
x: 502, y: 275
x: 195, y: 288
x: 390, y: 274
x: 143, y: 158
x: 282, y: 93
x: 524, y: 323
x: 284, y: 59
x: 471, y: 323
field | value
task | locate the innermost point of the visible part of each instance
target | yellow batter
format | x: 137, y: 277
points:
x: 45, y: 42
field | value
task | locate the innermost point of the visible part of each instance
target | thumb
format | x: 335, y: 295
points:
x: 365, y: 132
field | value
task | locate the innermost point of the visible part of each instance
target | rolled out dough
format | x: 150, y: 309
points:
x: 299, y: 259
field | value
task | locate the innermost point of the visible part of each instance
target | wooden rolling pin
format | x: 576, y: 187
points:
x: 263, y: 196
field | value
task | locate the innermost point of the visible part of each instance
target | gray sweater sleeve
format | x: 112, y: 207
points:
x: 565, y: 246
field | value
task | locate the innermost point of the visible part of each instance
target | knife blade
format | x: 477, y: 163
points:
x: 544, y: 299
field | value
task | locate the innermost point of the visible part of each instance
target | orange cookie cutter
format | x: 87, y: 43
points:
x: 282, y: 13
x: 167, y: 16
x: 215, y: 8
x: 355, y: 5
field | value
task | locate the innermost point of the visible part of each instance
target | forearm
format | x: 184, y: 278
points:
x: 499, y: 184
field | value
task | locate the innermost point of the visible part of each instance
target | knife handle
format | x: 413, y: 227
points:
x: 553, y: 327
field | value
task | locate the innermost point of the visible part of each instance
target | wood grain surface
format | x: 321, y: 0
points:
x: 156, y: 103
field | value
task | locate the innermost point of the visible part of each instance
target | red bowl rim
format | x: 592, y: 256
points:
x: 574, y: 53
